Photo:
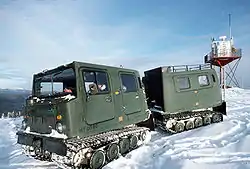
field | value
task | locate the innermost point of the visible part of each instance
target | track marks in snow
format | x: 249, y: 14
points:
x: 218, y: 158
x: 206, y: 145
x: 29, y: 165
x: 177, y: 145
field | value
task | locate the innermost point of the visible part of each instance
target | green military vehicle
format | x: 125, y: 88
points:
x: 84, y: 115
x: 184, y: 97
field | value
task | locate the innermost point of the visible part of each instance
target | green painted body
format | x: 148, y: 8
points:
x: 196, y: 97
x: 173, y: 99
x: 90, y: 114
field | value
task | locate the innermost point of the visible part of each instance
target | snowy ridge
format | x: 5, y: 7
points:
x: 222, y: 145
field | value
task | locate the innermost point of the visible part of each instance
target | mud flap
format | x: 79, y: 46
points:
x: 51, y: 144
x: 221, y: 108
x: 149, y: 123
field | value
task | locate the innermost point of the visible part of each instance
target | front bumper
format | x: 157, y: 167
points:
x: 50, y: 144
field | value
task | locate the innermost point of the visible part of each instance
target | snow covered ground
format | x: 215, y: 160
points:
x: 218, y: 146
x: 11, y: 156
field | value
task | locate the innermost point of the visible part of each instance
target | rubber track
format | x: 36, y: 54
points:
x: 95, y: 142
x: 187, y: 115
x: 183, y: 116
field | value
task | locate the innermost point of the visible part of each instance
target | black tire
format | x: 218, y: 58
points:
x: 179, y: 127
x: 112, y: 151
x: 97, y: 159
x: 217, y: 117
x: 189, y: 125
x: 207, y: 120
x: 198, y: 122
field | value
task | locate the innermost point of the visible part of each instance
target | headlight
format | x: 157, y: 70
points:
x: 24, y: 124
x: 59, y: 127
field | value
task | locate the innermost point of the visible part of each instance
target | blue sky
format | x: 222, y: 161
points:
x: 142, y: 34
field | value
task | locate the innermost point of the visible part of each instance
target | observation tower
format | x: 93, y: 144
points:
x: 225, y: 56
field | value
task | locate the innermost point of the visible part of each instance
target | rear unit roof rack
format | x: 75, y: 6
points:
x: 182, y: 68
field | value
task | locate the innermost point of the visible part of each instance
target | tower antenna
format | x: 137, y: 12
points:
x: 230, y: 29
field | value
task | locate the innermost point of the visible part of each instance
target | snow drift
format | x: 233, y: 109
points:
x: 222, y: 145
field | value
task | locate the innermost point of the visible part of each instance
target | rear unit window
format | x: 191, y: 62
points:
x: 203, y: 80
x: 128, y: 83
x: 183, y: 83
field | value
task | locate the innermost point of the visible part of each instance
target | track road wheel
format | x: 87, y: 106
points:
x: 198, y: 122
x: 124, y: 145
x: 133, y: 142
x: 216, y: 118
x: 189, y: 125
x: 206, y: 120
x: 179, y: 127
x: 79, y: 157
x: 112, y: 151
x: 97, y: 159
x: 143, y: 136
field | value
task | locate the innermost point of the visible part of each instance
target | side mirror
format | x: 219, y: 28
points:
x: 93, y: 89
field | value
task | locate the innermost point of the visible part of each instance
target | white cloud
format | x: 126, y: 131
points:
x: 13, y: 84
x: 47, y: 35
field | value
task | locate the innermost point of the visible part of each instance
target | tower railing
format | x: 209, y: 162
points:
x: 236, y: 53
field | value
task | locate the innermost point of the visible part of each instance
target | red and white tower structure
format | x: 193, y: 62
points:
x: 222, y: 55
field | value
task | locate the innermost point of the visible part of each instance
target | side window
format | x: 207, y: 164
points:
x: 183, y: 83
x: 128, y: 83
x: 96, y: 82
x: 203, y: 80
x: 102, y: 81
x: 89, y: 79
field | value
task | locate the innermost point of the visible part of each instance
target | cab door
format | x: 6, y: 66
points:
x: 130, y: 93
x: 99, y: 104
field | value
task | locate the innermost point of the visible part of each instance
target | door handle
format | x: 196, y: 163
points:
x: 88, y: 98
x: 108, y: 99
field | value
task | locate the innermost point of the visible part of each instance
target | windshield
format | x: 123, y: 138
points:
x: 58, y: 83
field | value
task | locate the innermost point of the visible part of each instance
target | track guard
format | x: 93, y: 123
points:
x: 221, y: 108
x: 149, y: 123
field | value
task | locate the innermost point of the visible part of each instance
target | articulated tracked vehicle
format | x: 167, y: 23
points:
x: 184, y: 97
x: 86, y: 115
